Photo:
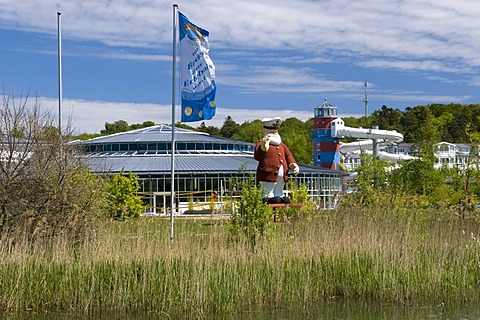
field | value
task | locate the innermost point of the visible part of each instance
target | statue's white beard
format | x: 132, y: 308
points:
x: 275, y: 139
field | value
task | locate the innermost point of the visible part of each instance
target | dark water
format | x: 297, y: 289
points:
x: 348, y: 309
x: 328, y: 309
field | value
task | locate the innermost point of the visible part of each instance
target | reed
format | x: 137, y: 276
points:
x: 389, y: 253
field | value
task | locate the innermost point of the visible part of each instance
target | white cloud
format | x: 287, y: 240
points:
x: 431, y: 29
x: 284, y: 79
x: 419, y: 97
x: 135, y: 57
x: 421, y: 65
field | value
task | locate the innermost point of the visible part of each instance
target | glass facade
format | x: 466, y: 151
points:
x: 324, y: 189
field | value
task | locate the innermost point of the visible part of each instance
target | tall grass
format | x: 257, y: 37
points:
x: 388, y: 253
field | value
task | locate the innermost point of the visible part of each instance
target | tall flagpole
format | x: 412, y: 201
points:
x: 172, y: 164
x: 60, y: 94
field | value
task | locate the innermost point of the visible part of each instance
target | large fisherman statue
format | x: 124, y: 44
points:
x: 274, y: 160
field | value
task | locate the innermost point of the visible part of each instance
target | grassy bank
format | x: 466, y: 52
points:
x: 391, y: 253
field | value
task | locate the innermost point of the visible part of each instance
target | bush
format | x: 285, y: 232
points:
x: 47, y: 189
x: 299, y: 194
x: 122, y: 200
x: 254, y: 216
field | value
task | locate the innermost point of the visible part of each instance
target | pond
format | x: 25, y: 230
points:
x: 326, y: 309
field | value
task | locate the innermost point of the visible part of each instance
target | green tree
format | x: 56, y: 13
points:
x: 419, y: 177
x: 457, y: 126
x: 475, y: 121
x: 372, y: 173
x: 115, y: 127
x: 184, y: 126
x: 249, y: 131
x: 229, y: 128
x: 123, y: 202
x: 420, y: 126
x: 442, y: 123
x: 85, y: 136
x: 211, y: 130
x: 466, y: 179
x: 387, y: 118
x: 145, y: 124
x: 362, y: 122
x: 296, y: 135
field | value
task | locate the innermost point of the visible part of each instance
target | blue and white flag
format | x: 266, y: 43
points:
x: 198, y: 73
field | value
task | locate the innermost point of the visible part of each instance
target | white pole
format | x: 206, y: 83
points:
x: 60, y: 93
x: 172, y: 178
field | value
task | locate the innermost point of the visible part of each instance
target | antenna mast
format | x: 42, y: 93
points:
x: 365, y: 99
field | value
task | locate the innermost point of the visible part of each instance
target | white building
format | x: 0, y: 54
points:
x: 454, y: 155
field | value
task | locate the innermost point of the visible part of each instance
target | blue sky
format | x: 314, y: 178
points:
x: 272, y: 58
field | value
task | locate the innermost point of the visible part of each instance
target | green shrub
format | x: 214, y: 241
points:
x: 299, y: 194
x: 254, y: 216
x: 122, y: 200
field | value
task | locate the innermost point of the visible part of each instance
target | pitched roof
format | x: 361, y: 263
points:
x: 159, y: 164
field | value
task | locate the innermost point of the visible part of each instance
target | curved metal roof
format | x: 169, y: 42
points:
x: 145, y: 165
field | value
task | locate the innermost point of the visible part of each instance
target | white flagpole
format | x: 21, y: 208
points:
x: 172, y: 178
x: 60, y: 93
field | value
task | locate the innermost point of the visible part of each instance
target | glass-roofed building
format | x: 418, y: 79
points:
x: 206, y: 167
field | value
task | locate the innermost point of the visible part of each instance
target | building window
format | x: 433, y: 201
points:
x: 162, y: 147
